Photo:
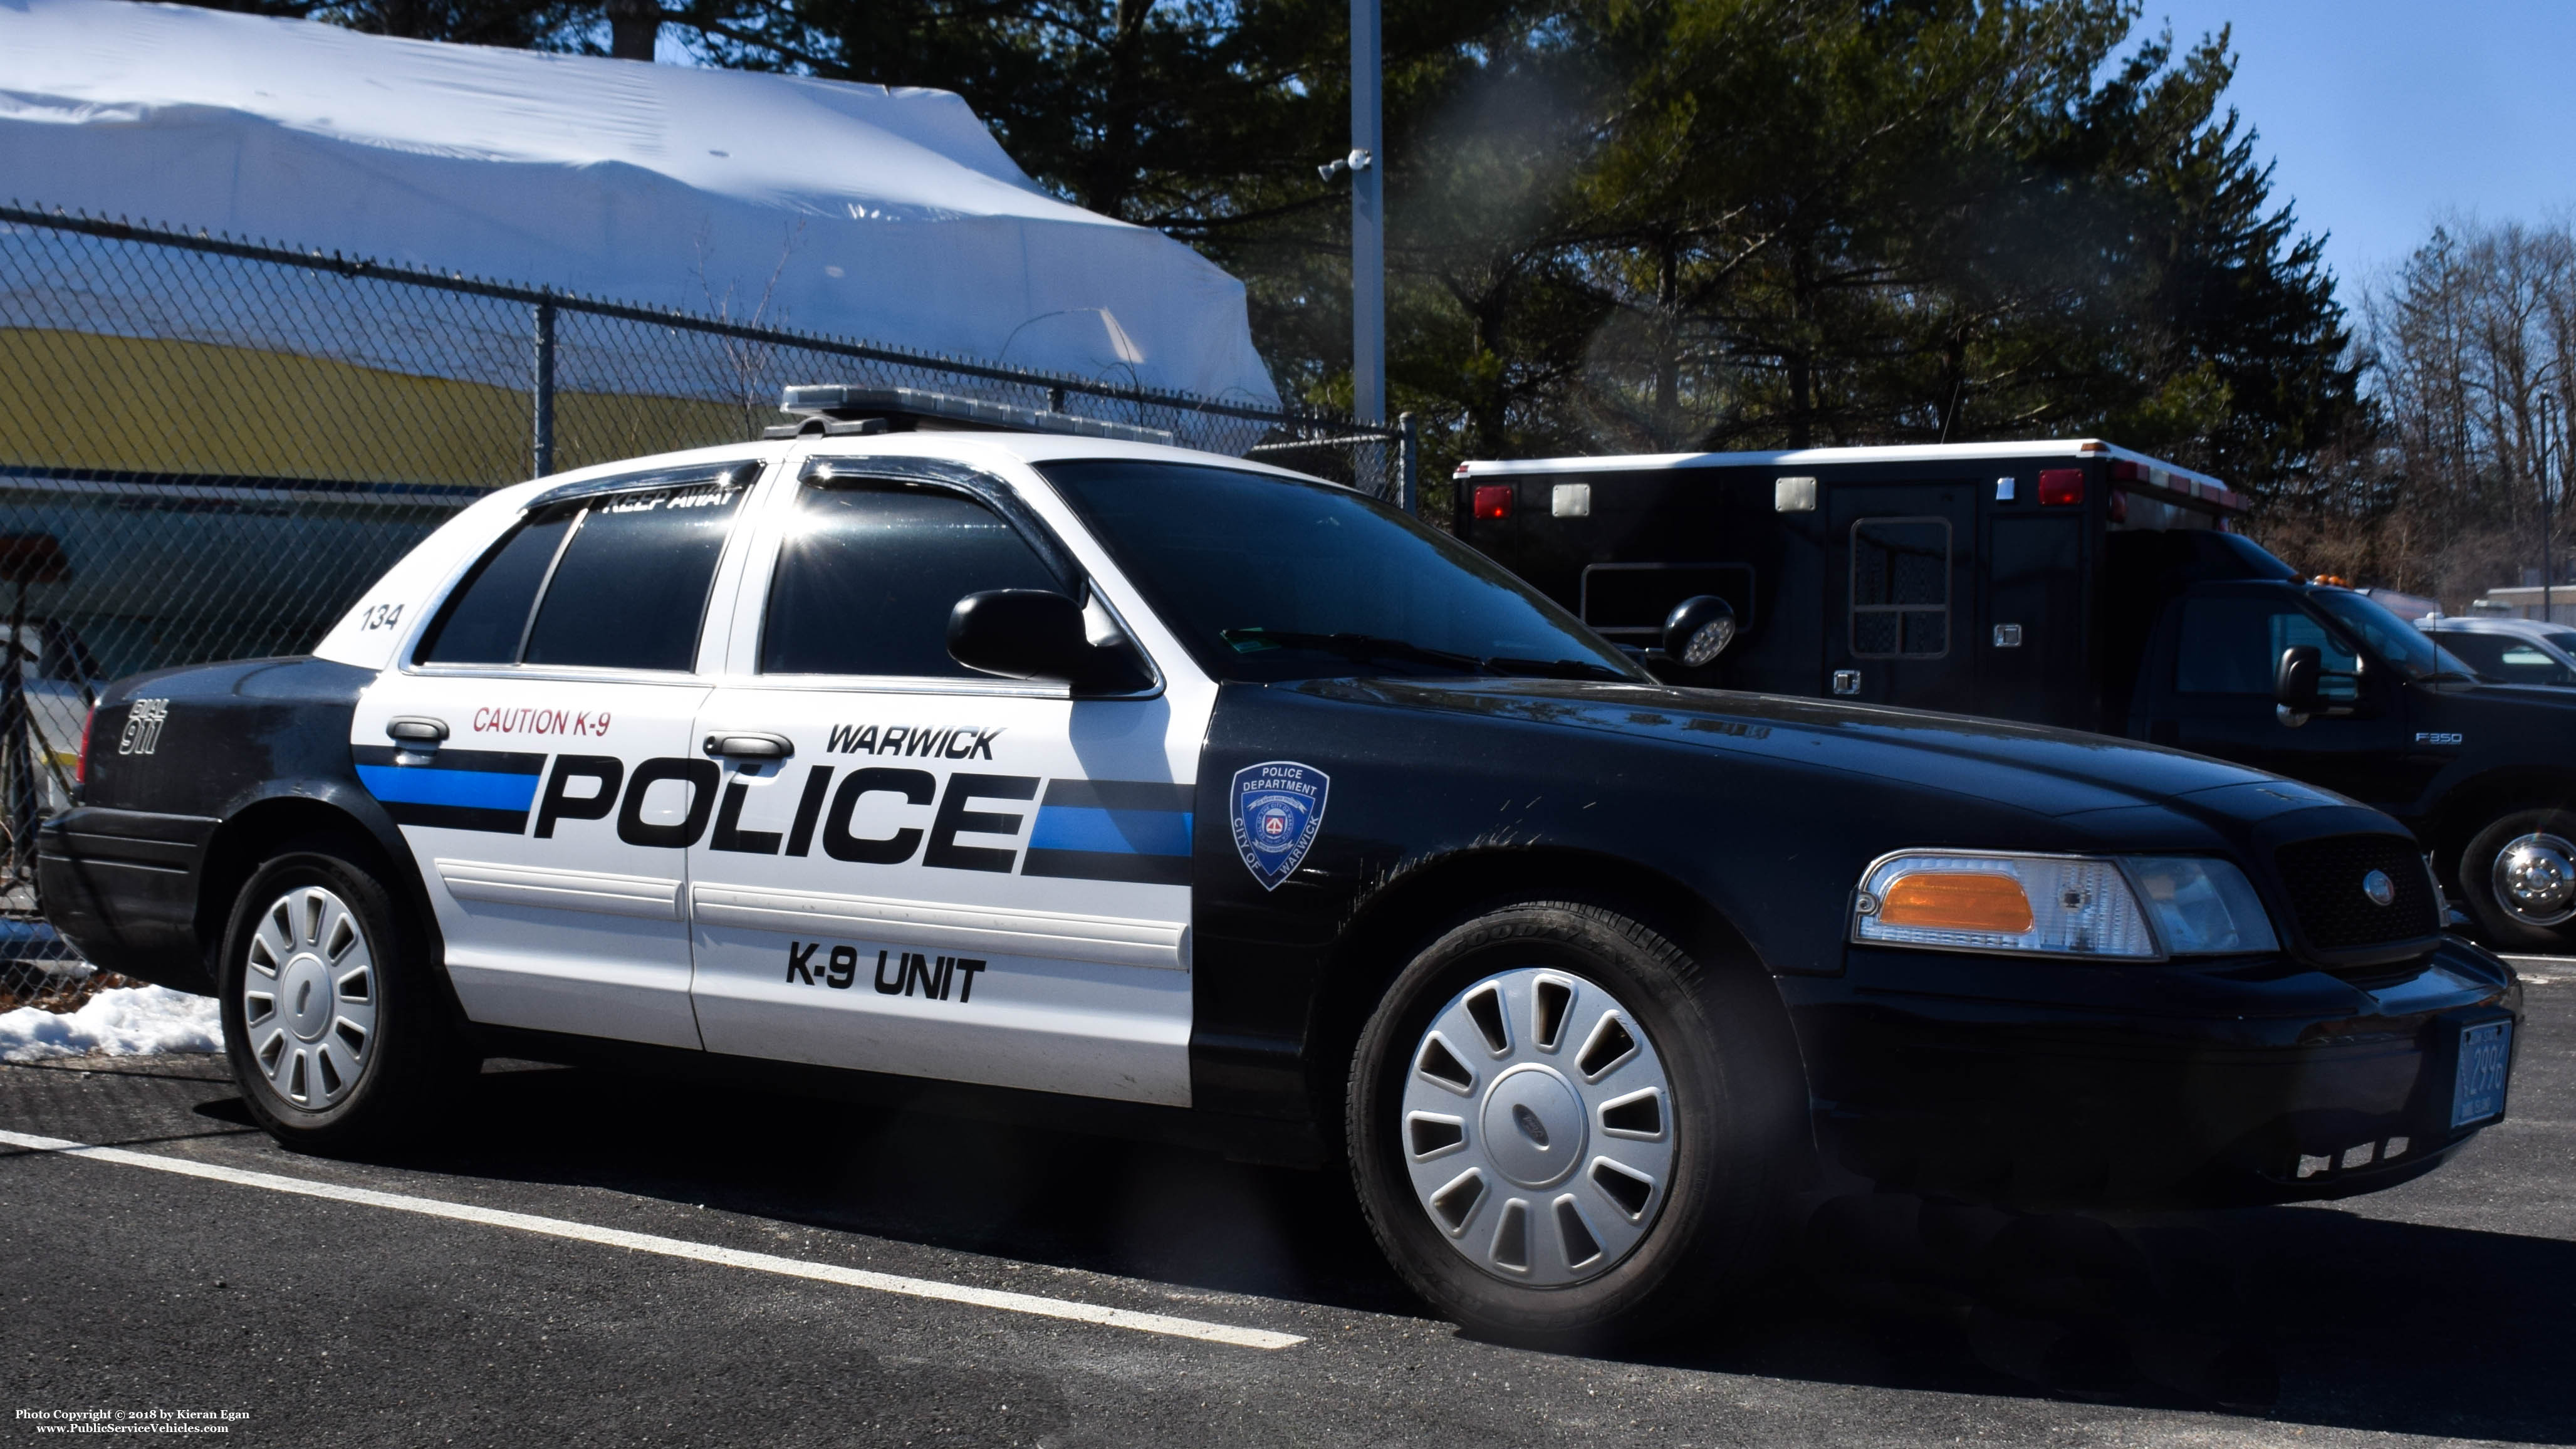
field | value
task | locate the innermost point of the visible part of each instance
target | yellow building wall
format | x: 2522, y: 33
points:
x: 79, y: 400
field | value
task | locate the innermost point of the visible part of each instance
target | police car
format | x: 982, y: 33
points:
x: 1142, y: 790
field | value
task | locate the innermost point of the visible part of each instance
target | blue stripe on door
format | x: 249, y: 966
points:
x: 428, y: 785
x: 1116, y: 832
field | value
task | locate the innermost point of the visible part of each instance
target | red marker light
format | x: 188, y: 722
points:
x: 2061, y: 485
x: 80, y: 763
x: 1494, y: 501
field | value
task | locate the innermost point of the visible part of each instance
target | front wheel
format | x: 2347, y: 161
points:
x: 1564, y: 1130
x: 2518, y: 880
x: 336, y: 1032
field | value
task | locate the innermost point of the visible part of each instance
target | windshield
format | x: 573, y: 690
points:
x: 1268, y: 578
x: 2406, y: 648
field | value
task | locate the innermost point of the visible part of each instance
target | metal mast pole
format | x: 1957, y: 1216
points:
x: 2544, y: 508
x: 542, y: 448
x: 1368, y: 222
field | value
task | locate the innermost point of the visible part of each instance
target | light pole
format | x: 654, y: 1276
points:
x: 1368, y: 220
x: 2545, y: 618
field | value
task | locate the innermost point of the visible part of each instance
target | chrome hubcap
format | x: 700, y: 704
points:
x: 309, y: 997
x: 2535, y: 879
x: 1538, y: 1127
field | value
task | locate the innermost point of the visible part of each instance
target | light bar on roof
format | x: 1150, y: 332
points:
x: 836, y: 409
x: 2181, y: 486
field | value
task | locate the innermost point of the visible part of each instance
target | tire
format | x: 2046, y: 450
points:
x: 2534, y: 850
x: 336, y: 1028
x: 1681, y: 1220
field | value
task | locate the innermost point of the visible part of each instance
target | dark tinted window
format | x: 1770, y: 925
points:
x: 631, y: 588
x: 2507, y: 657
x: 866, y: 580
x: 1632, y: 599
x: 1259, y: 574
x: 2396, y: 642
x: 1900, y: 587
x: 2233, y: 646
x: 484, y: 620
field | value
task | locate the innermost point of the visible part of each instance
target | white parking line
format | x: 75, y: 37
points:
x: 2544, y: 970
x: 675, y: 1247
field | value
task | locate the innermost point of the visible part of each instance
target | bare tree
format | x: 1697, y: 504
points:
x: 2463, y: 341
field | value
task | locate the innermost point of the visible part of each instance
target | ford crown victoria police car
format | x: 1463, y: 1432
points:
x: 1152, y: 791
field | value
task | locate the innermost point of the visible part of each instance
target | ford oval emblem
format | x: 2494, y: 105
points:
x: 2381, y: 890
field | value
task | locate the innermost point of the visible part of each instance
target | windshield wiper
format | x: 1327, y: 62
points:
x: 1556, y: 668
x: 1350, y: 646
x: 1380, y: 646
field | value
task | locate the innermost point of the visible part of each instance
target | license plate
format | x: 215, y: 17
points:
x: 2486, y: 1050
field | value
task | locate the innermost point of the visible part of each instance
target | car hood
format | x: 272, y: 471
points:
x: 2053, y: 772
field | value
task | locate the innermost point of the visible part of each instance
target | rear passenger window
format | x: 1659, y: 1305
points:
x: 631, y: 587
x: 487, y: 618
x: 615, y: 582
x: 867, y: 578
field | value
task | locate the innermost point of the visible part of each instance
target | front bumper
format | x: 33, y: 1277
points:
x: 2054, y: 1082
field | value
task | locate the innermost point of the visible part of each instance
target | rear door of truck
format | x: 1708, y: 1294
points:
x: 1900, y: 598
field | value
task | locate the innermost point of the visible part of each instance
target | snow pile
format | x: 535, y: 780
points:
x: 129, y: 1021
x: 891, y: 215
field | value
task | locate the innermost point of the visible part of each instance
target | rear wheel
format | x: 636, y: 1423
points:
x: 1563, y: 1130
x: 2518, y: 880
x: 333, y: 1024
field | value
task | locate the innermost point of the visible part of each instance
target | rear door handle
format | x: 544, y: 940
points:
x: 749, y: 745
x: 413, y: 729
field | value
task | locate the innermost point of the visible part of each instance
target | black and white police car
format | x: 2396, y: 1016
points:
x: 1151, y: 791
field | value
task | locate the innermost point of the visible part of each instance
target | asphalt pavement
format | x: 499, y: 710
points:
x: 587, y: 1258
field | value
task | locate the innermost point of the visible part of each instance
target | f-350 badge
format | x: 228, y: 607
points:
x: 1278, y: 809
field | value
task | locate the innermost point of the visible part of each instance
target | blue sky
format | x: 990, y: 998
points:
x: 2382, y: 113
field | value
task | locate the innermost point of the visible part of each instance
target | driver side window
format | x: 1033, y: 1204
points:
x: 2233, y: 646
x: 867, y: 578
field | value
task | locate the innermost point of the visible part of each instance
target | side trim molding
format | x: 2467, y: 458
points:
x: 644, y: 897
x: 1108, y: 940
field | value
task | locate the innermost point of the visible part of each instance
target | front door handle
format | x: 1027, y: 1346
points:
x: 749, y: 745
x: 418, y: 730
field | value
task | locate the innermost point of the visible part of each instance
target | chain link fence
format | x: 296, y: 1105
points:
x: 210, y: 447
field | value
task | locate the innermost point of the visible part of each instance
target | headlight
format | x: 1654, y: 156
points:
x: 2201, y: 907
x: 2060, y: 905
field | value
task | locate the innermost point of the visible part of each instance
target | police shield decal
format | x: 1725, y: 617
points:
x: 1278, y: 808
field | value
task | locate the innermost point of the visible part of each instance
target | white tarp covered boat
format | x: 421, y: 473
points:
x: 854, y: 210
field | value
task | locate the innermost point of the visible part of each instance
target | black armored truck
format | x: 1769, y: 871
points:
x: 2070, y: 583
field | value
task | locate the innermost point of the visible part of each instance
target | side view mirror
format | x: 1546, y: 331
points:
x: 1697, y: 631
x: 1036, y: 634
x: 2298, y: 685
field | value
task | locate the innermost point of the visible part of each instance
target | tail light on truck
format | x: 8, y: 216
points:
x: 2058, y: 486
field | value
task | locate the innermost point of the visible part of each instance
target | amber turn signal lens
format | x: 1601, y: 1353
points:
x: 1957, y: 901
